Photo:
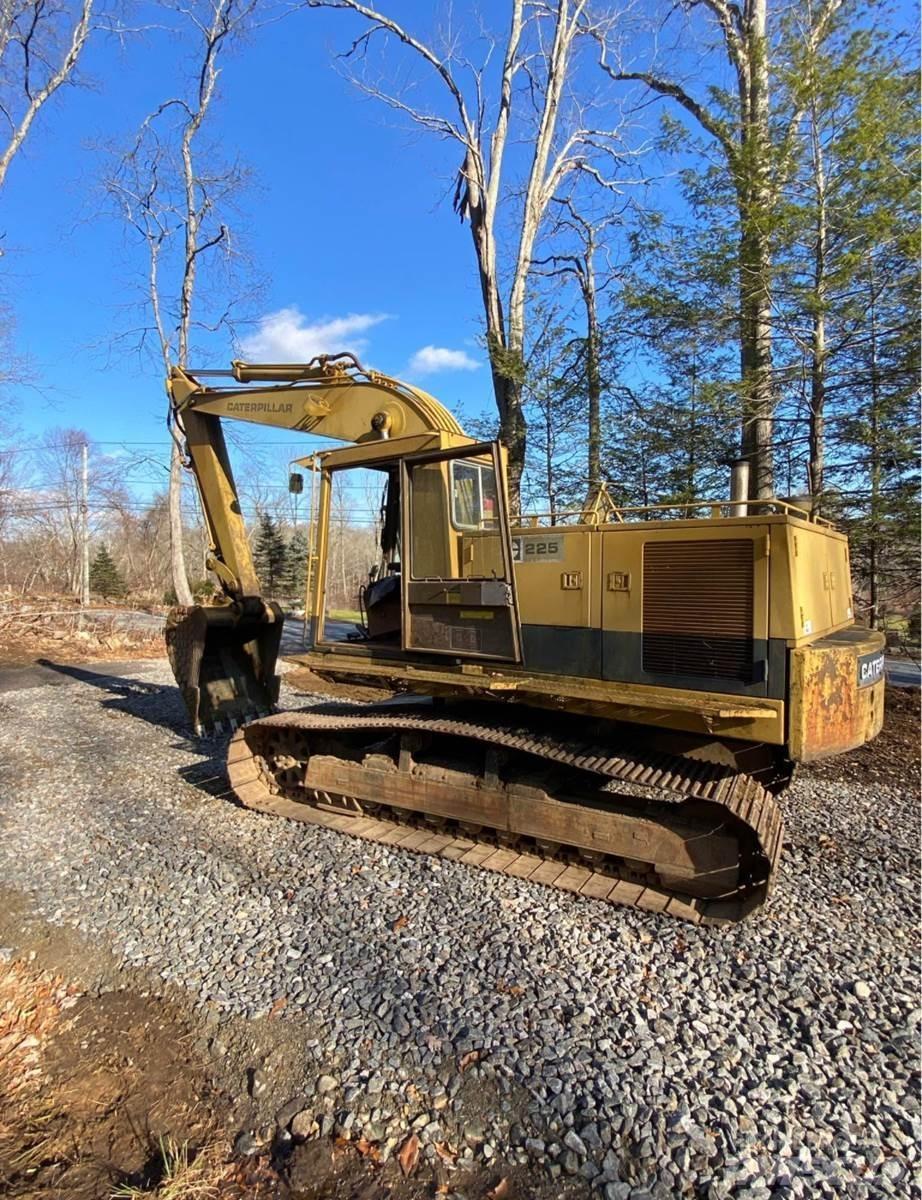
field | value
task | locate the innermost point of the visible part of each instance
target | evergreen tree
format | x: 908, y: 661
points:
x: 843, y: 236
x: 673, y: 423
x: 741, y: 136
x: 105, y: 579
x: 849, y: 289
x: 270, y: 555
x: 296, y: 565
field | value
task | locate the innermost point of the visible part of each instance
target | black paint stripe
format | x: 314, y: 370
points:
x: 617, y: 656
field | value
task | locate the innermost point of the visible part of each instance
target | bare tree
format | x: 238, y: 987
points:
x: 534, y: 85
x: 174, y: 196
x: 59, y: 468
x: 580, y: 263
x: 40, y: 44
x: 754, y: 162
x: 45, y: 511
x: 12, y: 477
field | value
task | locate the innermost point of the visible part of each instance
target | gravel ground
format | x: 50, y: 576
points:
x: 624, y: 1055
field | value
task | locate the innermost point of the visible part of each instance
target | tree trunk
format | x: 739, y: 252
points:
x: 691, y: 459
x: 506, y: 378
x: 756, y: 361
x: 755, y: 262
x: 817, y: 434
x: 593, y: 383
x: 177, y: 557
x: 512, y: 433
x: 875, y: 467
x: 549, y: 460
x: 505, y: 371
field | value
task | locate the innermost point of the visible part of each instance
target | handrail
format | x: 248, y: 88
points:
x: 716, y: 508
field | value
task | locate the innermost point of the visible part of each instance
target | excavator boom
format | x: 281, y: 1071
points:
x: 223, y: 656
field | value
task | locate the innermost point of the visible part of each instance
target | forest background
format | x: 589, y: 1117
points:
x: 638, y: 240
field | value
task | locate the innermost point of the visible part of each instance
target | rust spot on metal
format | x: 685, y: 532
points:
x: 830, y: 713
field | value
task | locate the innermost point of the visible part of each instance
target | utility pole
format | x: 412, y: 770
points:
x: 85, y: 531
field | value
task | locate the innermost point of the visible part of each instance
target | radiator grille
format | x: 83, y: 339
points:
x: 698, y: 608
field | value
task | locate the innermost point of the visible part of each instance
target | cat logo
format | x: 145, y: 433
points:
x: 870, y: 669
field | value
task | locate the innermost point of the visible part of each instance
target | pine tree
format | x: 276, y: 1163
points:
x: 270, y: 555
x: 849, y: 282
x: 105, y: 579
x: 296, y: 566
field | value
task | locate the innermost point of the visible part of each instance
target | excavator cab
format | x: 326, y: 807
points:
x: 445, y: 581
x: 459, y: 582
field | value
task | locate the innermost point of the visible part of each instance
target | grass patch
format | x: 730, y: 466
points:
x: 896, y: 623
x: 344, y: 614
x: 176, y: 1171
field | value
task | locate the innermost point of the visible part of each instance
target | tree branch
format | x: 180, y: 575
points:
x: 380, y: 22
x: 667, y: 87
x: 38, y: 99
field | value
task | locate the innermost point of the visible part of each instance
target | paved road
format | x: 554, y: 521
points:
x: 45, y: 672
x: 293, y: 634
x: 903, y: 672
x: 125, y: 618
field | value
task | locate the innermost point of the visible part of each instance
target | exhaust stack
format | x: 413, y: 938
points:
x: 739, y: 487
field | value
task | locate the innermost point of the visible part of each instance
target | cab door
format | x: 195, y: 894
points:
x: 457, y: 574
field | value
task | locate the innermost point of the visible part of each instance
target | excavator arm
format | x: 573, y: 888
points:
x: 224, y: 656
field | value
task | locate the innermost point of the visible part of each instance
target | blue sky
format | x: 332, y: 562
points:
x: 348, y: 215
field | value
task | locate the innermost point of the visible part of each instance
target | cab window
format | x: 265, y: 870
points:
x: 473, y: 495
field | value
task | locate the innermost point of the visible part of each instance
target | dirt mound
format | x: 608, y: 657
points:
x: 97, y: 1093
x: 110, y: 1096
x: 28, y: 633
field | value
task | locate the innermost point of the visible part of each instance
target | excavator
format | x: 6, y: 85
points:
x: 608, y: 701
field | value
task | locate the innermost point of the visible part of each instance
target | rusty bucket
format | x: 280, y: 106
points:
x: 223, y: 659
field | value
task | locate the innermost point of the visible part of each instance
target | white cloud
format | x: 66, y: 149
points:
x: 437, y: 358
x: 288, y: 336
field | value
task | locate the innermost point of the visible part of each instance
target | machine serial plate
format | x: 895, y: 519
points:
x: 870, y: 668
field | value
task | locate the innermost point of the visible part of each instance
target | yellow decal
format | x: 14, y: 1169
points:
x: 480, y: 614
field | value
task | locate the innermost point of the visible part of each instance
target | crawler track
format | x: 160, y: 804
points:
x: 694, y: 839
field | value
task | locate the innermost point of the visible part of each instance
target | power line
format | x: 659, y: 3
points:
x: 302, y: 440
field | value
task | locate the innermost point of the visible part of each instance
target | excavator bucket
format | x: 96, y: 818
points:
x: 223, y: 660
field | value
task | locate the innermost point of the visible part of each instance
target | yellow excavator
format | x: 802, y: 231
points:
x: 608, y: 701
